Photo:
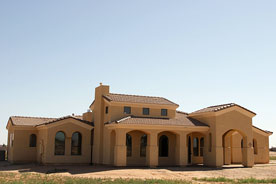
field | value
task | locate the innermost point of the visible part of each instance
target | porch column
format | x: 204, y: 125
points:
x: 247, y: 152
x: 152, y: 150
x: 120, y: 148
x: 181, y: 149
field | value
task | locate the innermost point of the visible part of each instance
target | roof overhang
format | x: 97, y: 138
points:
x: 114, y: 103
x: 158, y: 127
x: 63, y: 121
x: 238, y: 108
x: 262, y: 132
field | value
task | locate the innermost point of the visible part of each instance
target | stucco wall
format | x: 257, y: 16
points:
x: 68, y: 127
x: 21, y: 151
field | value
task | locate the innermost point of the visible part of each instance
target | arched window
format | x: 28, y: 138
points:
x: 196, y: 146
x: 59, y: 143
x: 143, y: 146
x: 255, y: 146
x: 76, y: 144
x: 129, y: 145
x: 32, y: 140
x: 163, y: 146
x: 201, y: 146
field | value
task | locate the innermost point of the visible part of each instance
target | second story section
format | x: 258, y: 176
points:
x: 116, y: 106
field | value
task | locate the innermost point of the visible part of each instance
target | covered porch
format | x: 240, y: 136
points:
x: 155, y: 145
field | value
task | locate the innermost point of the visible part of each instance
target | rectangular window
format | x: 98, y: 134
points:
x: 164, y: 112
x: 106, y: 109
x: 146, y: 111
x: 127, y: 110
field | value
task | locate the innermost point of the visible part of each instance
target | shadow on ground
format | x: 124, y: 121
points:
x: 83, y: 169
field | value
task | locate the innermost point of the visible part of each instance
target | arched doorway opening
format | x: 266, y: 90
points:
x: 233, y: 147
x: 166, y: 148
x: 195, y: 145
x: 136, y: 143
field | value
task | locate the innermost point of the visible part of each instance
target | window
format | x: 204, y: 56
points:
x: 127, y: 110
x: 76, y: 144
x: 129, y: 145
x: 195, y: 146
x: 163, y: 146
x: 106, y: 109
x: 164, y: 112
x: 145, y: 111
x: 242, y: 143
x: 143, y: 146
x: 255, y: 146
x: 59, y: 143
x: 201, y: 146
x: 32, y: 140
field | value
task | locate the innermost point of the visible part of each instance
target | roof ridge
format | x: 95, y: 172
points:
x: 31, y: 117
x: 138, y: 95
x: 182, y: 112
x: 159, y: 97
x: 222, y: 105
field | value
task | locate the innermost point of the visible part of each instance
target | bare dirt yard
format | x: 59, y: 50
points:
x: 259, y: 171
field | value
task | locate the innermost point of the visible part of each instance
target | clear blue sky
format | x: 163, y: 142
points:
x: 195, y: 53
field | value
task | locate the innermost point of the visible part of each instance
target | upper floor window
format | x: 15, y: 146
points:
x: 164, y: 112
x: 127, y: 110
x: 33, y: 140
x: 146, y: 111
x: 106, y: 109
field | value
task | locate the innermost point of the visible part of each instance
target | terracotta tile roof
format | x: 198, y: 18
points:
x: 29, y: 121
x: 219, y: 108
x: 79, y: 118
x: 138, y: 99
x: 36, y: 121
x: 181, y: 119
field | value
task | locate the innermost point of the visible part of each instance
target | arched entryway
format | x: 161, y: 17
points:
x: 234, y: 145
x: 136, y: 143
x: 166, y: 148
x: 195, y: 145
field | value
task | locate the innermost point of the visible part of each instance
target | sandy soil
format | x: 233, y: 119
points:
x: 234, y: 171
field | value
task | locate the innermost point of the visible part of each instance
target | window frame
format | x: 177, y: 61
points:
x: 143, y: 145
x: 166, y: 112
x: 129, y: 145
x: 32, y: 141
x: 79, y: 146
x: 64, y: 147
x: 144, y: 111
x: 127, y: 110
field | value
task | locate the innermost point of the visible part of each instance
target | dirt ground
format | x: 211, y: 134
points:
x: 259, y: 171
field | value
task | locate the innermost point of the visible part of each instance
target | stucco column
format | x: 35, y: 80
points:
x: 152, y: 150
x: 247, y: 153
x: 181, y: 149
x: 120, y: 148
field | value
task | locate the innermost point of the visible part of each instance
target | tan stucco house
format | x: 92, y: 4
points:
x: 131, y: 130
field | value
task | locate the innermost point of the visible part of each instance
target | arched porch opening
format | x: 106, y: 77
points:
x: 166, y: 148
x: 233, y: 142
x: 195, y: 145
x: 136, y: 143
